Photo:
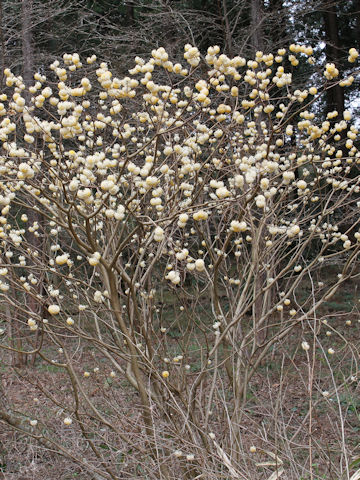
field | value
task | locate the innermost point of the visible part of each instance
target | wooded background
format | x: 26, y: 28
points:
x: 35, y: 32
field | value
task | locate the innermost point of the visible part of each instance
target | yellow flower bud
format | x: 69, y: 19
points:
x: 53, y: 309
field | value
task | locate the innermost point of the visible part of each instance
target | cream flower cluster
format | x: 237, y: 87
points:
x: 149, y: 167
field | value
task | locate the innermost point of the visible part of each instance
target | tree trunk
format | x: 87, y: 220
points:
x: 257, y: 40
x: 276, y: 24
x: 33, y: 240
x: 2, y: 46
x: 228, y: 48
x: 130, y: 15
x: 27, y: 50
x: 335, y: 95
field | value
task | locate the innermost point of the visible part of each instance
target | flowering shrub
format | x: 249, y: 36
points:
x: 190, y: 200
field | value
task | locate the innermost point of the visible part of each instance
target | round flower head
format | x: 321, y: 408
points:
x: 53, y: 309
x: 305, y: 346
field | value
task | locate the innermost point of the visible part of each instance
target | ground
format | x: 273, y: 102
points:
x: 276, y: 407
